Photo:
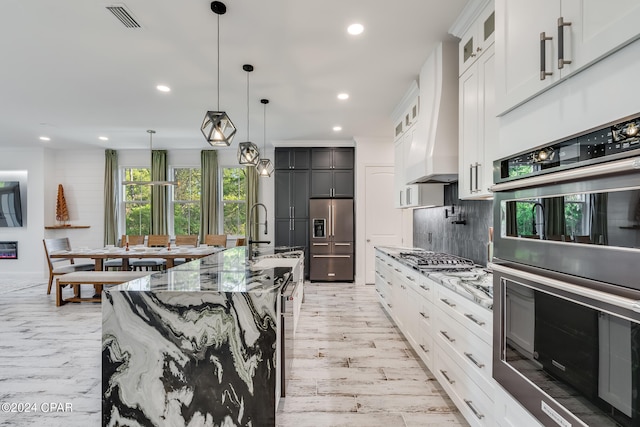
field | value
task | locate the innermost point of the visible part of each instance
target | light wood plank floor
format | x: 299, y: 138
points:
x: 351, y: 366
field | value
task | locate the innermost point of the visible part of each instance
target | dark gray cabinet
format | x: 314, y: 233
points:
x: 332, y: 172
x: 292, y: 200
x: 332, y: 183
x: 332, y: 158
x: 292, y: 158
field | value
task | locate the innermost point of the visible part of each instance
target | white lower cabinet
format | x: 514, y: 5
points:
x: 509, y: 413
x: 473, y: 403
x: 451, y: 334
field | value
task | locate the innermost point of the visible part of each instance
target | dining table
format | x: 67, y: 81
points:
x: 169, y: 254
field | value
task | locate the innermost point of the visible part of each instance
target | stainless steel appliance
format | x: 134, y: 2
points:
x: 566, y: 288
x: 331, y: 249
x: 436, y: 261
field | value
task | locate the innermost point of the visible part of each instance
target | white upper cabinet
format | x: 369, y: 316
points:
x: 538, y: 44
x: 478, y: 124
x: 477, y: 38
x: 478, y: 128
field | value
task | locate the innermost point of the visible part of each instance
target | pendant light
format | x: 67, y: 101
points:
x: 217, y: 127
x: 165, y: 183
x: 248, y: 153
x: 264, y: 166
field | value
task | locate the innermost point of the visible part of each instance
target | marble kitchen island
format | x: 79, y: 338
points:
x: 194, y: 345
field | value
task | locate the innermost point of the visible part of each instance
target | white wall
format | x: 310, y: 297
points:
x: 31, y: 261
x: 369, y: 151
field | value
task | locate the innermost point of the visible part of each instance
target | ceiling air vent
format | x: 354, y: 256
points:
x: 123, y: 16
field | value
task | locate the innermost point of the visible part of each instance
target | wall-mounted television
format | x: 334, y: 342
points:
x: 10, y: 204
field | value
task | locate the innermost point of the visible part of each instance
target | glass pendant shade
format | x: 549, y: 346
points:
x: 218, y: 128
x: 265, y: 167
x: 248, y: 153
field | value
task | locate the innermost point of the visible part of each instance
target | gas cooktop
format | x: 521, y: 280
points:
x: 435, y: 261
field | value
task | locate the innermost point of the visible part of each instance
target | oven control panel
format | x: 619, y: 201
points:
x: 610, y: 142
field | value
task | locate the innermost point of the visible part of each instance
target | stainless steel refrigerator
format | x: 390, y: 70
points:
x: 331, y: 250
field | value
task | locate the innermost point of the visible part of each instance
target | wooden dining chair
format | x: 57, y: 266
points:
x: 186, y: 240
x: 59, y: 266
x: 216, y: 240
x: 240, y: 241
x: 153, y: 241
x: 116, y: 263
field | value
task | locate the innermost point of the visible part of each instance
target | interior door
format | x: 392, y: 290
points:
x: 383, y: 223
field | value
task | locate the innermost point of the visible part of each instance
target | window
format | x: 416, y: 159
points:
x: 234, y: 200
x: 186, y: 200
x: 137, y: 202
x: 576, y: 215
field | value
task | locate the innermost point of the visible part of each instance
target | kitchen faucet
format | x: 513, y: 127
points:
x: 251, y: 241
x: 533, y: 219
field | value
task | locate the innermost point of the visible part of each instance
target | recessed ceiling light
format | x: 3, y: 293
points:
x: 45, y: 138
x: 337, y: 128
x: 355, y: 29
x: 103, y: 138
x: 163, y: 88
x: 343, y: 96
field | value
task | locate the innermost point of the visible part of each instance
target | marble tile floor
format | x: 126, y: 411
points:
x: 351, y: 365
x: 353, y: 368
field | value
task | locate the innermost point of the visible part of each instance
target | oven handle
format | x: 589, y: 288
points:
x: 590, y: 172
x: 622, y: 302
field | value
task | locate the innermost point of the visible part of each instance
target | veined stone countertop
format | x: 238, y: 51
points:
x: 225, y: 271
x: 196, y: 344
x: 475, y: 284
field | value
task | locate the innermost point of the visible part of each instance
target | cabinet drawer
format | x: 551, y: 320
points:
x: 425, y: 349
x: 473, y: 403
x: 470, y: 352
x: 476, y: 318
x: 331, y: 267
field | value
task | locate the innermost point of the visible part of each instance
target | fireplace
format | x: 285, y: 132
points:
x: 8, y: 250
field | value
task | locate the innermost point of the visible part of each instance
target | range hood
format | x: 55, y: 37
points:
x: 433, y: 156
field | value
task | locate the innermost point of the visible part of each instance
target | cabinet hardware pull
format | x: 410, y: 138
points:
x: 471, y: 178
x: 389, y: 305
x: 446, y: 335
x: 543, y: 56
x: 474, y: 320
x: 446, y: 301
x: 478, y: 49
x: 389, y: 283
x: 424, y: 315
x: 446, y: 377
x: 397, y: 270
x: 425, y: 349
x: 561, y: 60
x: 320, y: 244
x: 477, y: 166
x: 474, y: 410
x: 475, y: 362
x: 410, y: 278
x: 426, y: 288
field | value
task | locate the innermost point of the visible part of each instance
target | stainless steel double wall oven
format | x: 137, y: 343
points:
x: 567, y: 277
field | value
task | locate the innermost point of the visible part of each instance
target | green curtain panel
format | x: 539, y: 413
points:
x: 252, y: 199
x: 554, y: 221
x: 110, y: 197
x: 159, y: 192
x: 209, y: 196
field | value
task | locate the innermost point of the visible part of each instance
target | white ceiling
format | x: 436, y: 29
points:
x: 71, y: 71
